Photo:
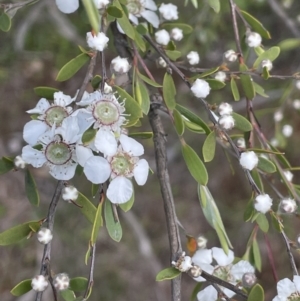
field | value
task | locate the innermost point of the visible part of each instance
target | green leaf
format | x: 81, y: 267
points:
x: 173, y: 54
x: 5, y: 22
x: 270, y: 54
x: 17, y: 233
x: 149, y: 81
x: 256, y: 255
x: 215, y: 84
x: 193, y: 127
x: 186, y: 29
x: 256, y: 25
x: 249, y: 211
x: 88, y: 136
x: 31, y: 189
x: 124, y: 22
x: 139, y: 41
x: 213, y: 217
x: 98, y: 222
x: 22, y: 288
x: 45, y: 92
x: 241, y: 123
x: 114, y: 228
x: 208, y: 72
x: 234, y: 90
x: 132, y: 108
x: 114, y: 11
x: 256, y: 293
x: 6, y: 164
x: 247, y: 83
x: 195, y: 3
x: 215, y: 5
x: 209, y: 147
x: 257, y: 178
x: 141, y: 29
x: 265, y: 73
x: 289, y: 44
x: 195, y: 165
x: 128, y: 205
x: 276, y: 222
x: 178, y: 121
x: 167, y: 274
x: 266, y: 165
x: 92, y: 14
x: 78, y: 284
x: 142, y: 96
x: 73, y: 66
x: 259, y: 90
x: 169, y: 91
x: 141, y: 135
x: 68, y: 295
x: 96, y: 81
x: 195, y: 291
x: 193, y: 118
x: 262, y: 222
x: 88, y: 209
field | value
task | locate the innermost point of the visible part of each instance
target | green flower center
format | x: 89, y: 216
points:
x: 223, y: 272
x: 294, y: 297
x: 106, y: 112
x: 58, y: 153
x: 134, y: 7
x: 55, y: 115
x: 121, y: 164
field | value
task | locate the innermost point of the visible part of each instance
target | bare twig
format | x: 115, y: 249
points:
x: 91, y: 274
x: 291, y: 257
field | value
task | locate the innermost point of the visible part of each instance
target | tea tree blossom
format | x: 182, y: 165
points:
x: 39, y: 283
x: 230, y: 56
x: 225, y: 109
x: 287, y: 130
x: 162, y: 37
x: 263, y: 203
x: 44, y: 236
x: 288, y: 205
x: 19, y: 162
x: 176, y: 34
x: 193, y: 57
x: 267, y: 64
x: 253, y: 39
x: 97, y: 42
x: 168, y: 11
x: 221, y: 76
x: 120, y: 65
x: 288, y: 290
x: 248, y: 160
x: 70, y: 193
x: 200, y: 88
x: 184, y: 263
x: 226, y: 122
x: 61, y: 281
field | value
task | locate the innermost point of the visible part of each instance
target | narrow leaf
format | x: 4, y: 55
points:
x: 215, y: 84
x: 141, y: 135
x: 68, y: 295
x: 149, y: 81
x: 167, y: 274
x: 262, y: 222
x: 289, y: 44
x: 241, y: 123
x: 139, y: 41
x: 114, y: 11
x: 31, y: 189
x: 5, y: 22
x: 78, y: 284
x: 114, y: 228
x: 22, y: 288
x: 142, y: 96
x: 234, y: 90
x: 128, y: 205
x: 270, y: 54
x: 247, y: 83
x: 256, y: 255
x: 266, y: 165
x: 88, y: 209
x: 256, y: 293
x: 92, y: 13
x: 186, y: 29
x: 45, y: 92
x: 6, y: 164
x: 98, y: 222
x: 169, y: 91
x: 208, y: 72
x: 259, y: 90
x: 173, y: 54
x: 88, y: 136
x: 215, y: 5
x: 209, y: 147
x: 178, y: 121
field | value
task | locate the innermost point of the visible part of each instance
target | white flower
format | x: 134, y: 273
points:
x: 208, y: 294
x: 97, y: 42
x: 39, y: 283
x: 67, y: 6
x: 288, y: 205
x: 168, y: 11
x: 248, y: 160
x: 101, y: 3
x: 296, y: 104
x: 49, y: 115
x: 221, y: 76
x: 230, y: 55
x: 193, y: 57
x: 120, y: 65
x: 200, y: 88
x: 183, y: 264
x: 226, y: 122
x: 19, y: 162
x: 176, y: 34
x: 44, y: 236
x: 162, y: 37
x: 162, y: 62
x: 278, y: 116
x: 288, y: 290
x: 288, y: 175
x: 287, y: 130
x: 268, y: 64
x: 61, y: 281
x: 143, y: 8
x: 241, y: 143
x: 58, y: 150
x: 263, y: 203
x: 225, y: 109
x: 253, y: 39
x: 70, y: 193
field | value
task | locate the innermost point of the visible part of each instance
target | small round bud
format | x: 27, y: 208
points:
x: 70, y: 193
x: 298, y: 241
x: 225, y: 109
x: 297, y: 84
x: 193, y: 57
x: 201, y: 242
x: 200, y: 88
x: 248, y: 279
x: 230, y: 56
x: 274, y: 142
x: 44, y: 236
x: 263, y: 203
x: 61, y: 281
x: 249, y: 160
x: 107, y: 89
x: 162, y: 62
x: 183, y: 264
x: 39, y: 283
x: 268, y: 64
x: 253, y: 39
x: 241, y: 143
x: 221, y: 76
x: 288, y: 175
x: 288, y: 206
x: 162, y: 37
x: 296, y: 104
x: 226, y: 122
x: 278, y: 116
x: 176, y: 34
x: 195, y: 271
x: 168, y: 11
x: 19, y: 162
x: 287, y: 130
x: 120, y: 65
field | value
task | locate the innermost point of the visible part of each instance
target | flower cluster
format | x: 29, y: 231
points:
x: 226, y: 120
x: 55, y: 139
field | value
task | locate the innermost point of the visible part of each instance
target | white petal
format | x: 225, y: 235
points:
x: 276, y: 299
x: 133, y: 19
x: 62, y: 99
x: 208, y: 294
x: 63, y: 172
x: 69, y: 130
x: 206, y: 268
x: 240, y: 268
x: 33, y: 130
x: 228, y: 292
x: 83, y: 153
x: 97, y: 169
x: 67, y: 6
x: 106, y: 142
x: 32, y: 156
x: 202, y: 256
x: 150, y: 4
x: 41, y: 107
x: 296, y: 280
x: 141, y: 172
x: 47, y: 137
x: 120, y: 190
x: 120, y: 28
x: 285, y: 288
x: 221, y: 258
x: 84, y: 119
x: 151, y: 17
x: 131, y: 146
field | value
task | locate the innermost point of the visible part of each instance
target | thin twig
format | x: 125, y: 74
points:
x: 271, y: 258
x: 291, y: 257
x: 91, y: 274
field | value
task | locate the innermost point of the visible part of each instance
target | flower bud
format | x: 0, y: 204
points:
x: 176, y: 34
x: 225, y: 109
x: 287, y: 130
x: 278, y: 116
x: 221, y: 76
x: 200, y: 88
x: 253, y: 39
x: 39, y: 283
x: 288, y: 206
x: 44, y: 236
x: 226, y: 122
x: 61, y: 281
x: 268, y: 64
x: 201, y: 242
x: 296, y: 104
x: 249, y: 279
x: 120, y: 65
x: 288, y: 175
x: 241, y: 143
x: 193, y: 57
x: 183, y: 264
x: 248, y: 160
x: 162, y: 62
x: 19, y: 162
x: 230, y: 56
x: 162, y: 37
x: 195, y: 271
x: 263, y: 203
x: 70, y: 193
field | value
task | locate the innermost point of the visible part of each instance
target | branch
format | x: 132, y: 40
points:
x: 91, y: 274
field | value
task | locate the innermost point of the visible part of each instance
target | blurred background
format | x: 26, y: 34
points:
x: 39, y: 43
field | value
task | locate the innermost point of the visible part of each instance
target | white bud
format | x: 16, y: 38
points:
x: 253, y: 39
x: 296, y: 104
x: 176, y: 34
x: 287, y: 130
x: 225, y: 109
x: 107, y: 89
x: 298, y: 240
x: 39, y: 283
x: 193, y: 57
x: 200, y: 88
x: 100, y: 4
x: 248, y: 279
x: 288, y: 205
x: 162, y: 37
x: 162, y: 62
x: 263, y: 203
x: 183, y: 264
x: 44, y: 236
x: 274, y: 142
x: 221, y: 76
x: 168, y: 11
x: 288, y: 175
x: 61, y: 281
x: 19, y: 162
x: 268, y: 64
x: 120, y: 65
x: 201, y: 242
x: 226, y: 122
x: 97, y: 42
x: 230, y: 56
x: 297, y: 84
x: 241, y: 143
x: 70, y: 193
x: 248, y: 160
x: 195, y: 271
x: 278, y: 116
